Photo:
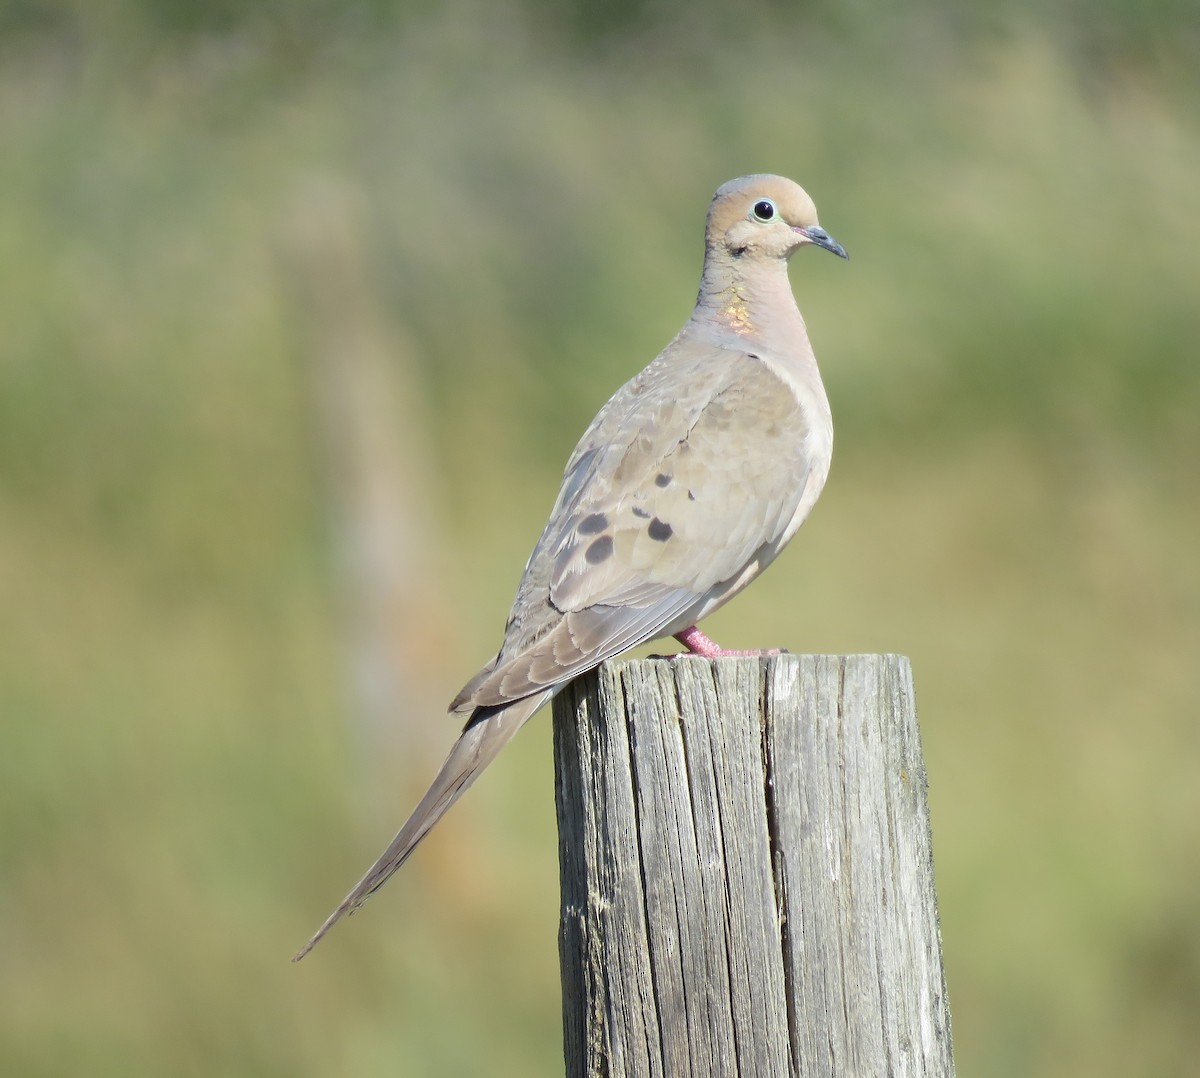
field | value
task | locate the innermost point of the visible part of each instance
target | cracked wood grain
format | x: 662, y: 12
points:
x: 747, y: 876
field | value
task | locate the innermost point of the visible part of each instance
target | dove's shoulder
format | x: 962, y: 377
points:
x: 651, y: 407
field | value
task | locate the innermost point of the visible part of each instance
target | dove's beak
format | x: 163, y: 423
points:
x: 816, y: 234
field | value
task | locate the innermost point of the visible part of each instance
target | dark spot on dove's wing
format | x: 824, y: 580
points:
x: 662, y: 480
x: 691, y: 496
x: 599, y: 550
x: 640, y: 513
x: 595, y: 522
x: 660, y: 531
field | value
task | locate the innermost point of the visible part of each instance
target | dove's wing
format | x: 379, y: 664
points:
x: 689, y: 474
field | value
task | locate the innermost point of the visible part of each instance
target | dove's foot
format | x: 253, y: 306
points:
x: 699, y: 644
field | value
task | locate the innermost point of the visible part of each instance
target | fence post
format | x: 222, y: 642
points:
x: 747, y: 873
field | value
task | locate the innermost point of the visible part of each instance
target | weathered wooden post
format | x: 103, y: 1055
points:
x: 747, y: 876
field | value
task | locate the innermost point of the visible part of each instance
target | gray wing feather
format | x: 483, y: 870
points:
x: 668, y: 495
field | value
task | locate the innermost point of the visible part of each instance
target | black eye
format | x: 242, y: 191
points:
x: 764, y: 209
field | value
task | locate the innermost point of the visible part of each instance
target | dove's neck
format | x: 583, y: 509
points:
x: 754, y: 303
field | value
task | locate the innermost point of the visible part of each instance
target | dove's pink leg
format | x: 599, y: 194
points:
x: 699, y: 644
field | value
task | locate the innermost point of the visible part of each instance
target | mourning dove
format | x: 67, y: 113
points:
x: 687, y: 484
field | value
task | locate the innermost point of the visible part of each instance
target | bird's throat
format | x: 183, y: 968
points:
x: 759, y: 306
x: 736, y: 312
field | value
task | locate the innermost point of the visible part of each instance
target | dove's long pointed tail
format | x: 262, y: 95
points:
x: 486, y: 733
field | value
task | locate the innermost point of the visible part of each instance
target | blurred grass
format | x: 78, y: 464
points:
x: 512, y: 199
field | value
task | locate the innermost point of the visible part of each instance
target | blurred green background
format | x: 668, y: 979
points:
x: 302, y: 307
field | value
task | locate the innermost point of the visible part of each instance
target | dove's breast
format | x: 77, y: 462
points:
x: 803, y: 379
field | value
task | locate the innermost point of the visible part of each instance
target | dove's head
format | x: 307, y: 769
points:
x: 764, y: 217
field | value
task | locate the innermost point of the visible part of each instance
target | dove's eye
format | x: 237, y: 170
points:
x: 764, y: 209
